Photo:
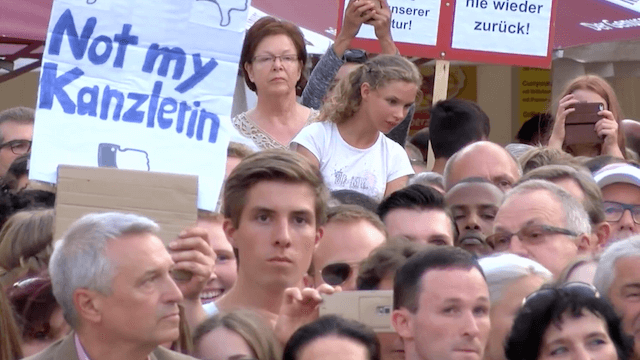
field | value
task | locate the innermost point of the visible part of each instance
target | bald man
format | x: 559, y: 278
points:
x: 482, y: 159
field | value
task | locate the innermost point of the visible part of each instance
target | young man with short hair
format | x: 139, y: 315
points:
x: 441, y: 306
x: 274, y: 207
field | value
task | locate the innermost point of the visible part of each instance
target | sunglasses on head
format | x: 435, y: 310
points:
x: 574, y: 288
x: 337, y: 273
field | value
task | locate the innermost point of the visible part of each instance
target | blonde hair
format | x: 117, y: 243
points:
x: 379, y: 71
x: 26, y: 243
x: 250, y: 326
x: 9, y: 334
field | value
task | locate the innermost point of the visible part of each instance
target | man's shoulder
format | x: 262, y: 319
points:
x: 162, y: 353
x: 61, y: 349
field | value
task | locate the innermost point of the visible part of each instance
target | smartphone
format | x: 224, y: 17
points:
x: 580, y: 124
x: 372, y: 308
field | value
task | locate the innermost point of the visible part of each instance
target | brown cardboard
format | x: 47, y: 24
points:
x: 168, y: 199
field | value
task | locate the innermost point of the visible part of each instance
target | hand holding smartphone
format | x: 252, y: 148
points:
x: 580, y: 124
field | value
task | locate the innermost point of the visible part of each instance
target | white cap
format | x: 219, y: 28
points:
x: 617, y: 173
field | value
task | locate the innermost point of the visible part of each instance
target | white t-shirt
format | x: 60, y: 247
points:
x: 345, y: 167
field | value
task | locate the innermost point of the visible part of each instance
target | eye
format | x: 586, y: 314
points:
x: 300, y: 220
x: 262, y: 217
x: 488, y: 215
x: 451, y: 310
x: 223, y: 258
x: 438, y: 242
x: 481, y: 310
x: 504, y: 184
x: 596, y: 342
x: 560, y: 350
x: 392, y: 101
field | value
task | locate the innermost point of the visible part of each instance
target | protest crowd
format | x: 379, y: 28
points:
x: 529, y: 251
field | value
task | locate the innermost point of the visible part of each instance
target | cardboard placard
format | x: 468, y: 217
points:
x: 168, y: 199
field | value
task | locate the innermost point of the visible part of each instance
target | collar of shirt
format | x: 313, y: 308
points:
x: 82, y: 355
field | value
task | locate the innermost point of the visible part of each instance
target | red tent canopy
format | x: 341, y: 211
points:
x: 23, y: 24
x: 23, y: 29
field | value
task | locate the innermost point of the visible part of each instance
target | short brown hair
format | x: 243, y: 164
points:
x: 238, y: 150
x: 20, y: 114
x: 272, y: 165
x: 544, y: 155
x: 385, y: 260
x: 592, y: 195
x: 269, y: 26
x: 353, y: 213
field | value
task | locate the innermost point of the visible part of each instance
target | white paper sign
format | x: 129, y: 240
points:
x: 503, y: 26
x: 629, y: 4
x: 412, y: 22
x: 138, y: 84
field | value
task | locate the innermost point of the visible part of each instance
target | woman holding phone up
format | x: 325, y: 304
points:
x: 349, y: 145
x: 591, y: 89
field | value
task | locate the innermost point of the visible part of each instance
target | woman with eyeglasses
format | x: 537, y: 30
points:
x: 349, y: 146
x: 273, y: 60
x: 567, y: 322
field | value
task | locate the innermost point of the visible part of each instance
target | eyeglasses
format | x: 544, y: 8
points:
x: 574, y: 288
x: 531, y: 234
x: 287, y: 59
x: 18, y: 147
x: 337, y: 273
x: 613, y: 211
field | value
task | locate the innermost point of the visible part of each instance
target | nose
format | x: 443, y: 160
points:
x: 626, y: 221
x: 282, y: 233
x: 472, y: 222
x: 581, y: 354
x: 470, y: 325
x: 516, y: 247
x: 172, y: 293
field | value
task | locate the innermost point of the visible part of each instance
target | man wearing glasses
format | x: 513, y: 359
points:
x: 541, y: 221
x: 16, y: 132
x: 620, y: 185
x: 350, y: 234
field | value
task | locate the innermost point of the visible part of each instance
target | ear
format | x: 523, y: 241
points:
x: 365, y: 90
x: 248, y: 67
x: 603, y: 231
x: 319, y: 233
x: 402, y: 321
x: 584, y: 243
x: 229, y: 230
x: 88, y: 304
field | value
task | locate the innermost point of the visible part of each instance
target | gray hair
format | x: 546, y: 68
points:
x: 428, y: 178
x: 501, y: 270
x: 79, y: 259
x: 576, y: 217
x: 448, y: 167
x: 606, y: 272
x: 20, y: 114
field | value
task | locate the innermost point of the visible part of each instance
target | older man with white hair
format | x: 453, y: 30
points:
x: 617, y: 278
x: 111, y: 274
x: 541, y: 221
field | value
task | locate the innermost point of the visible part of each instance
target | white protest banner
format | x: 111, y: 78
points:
x: 141, y: 85
x: 414, y: 27
x: 520, y: 27
x: 412, y: 22
x: 629, y: 4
